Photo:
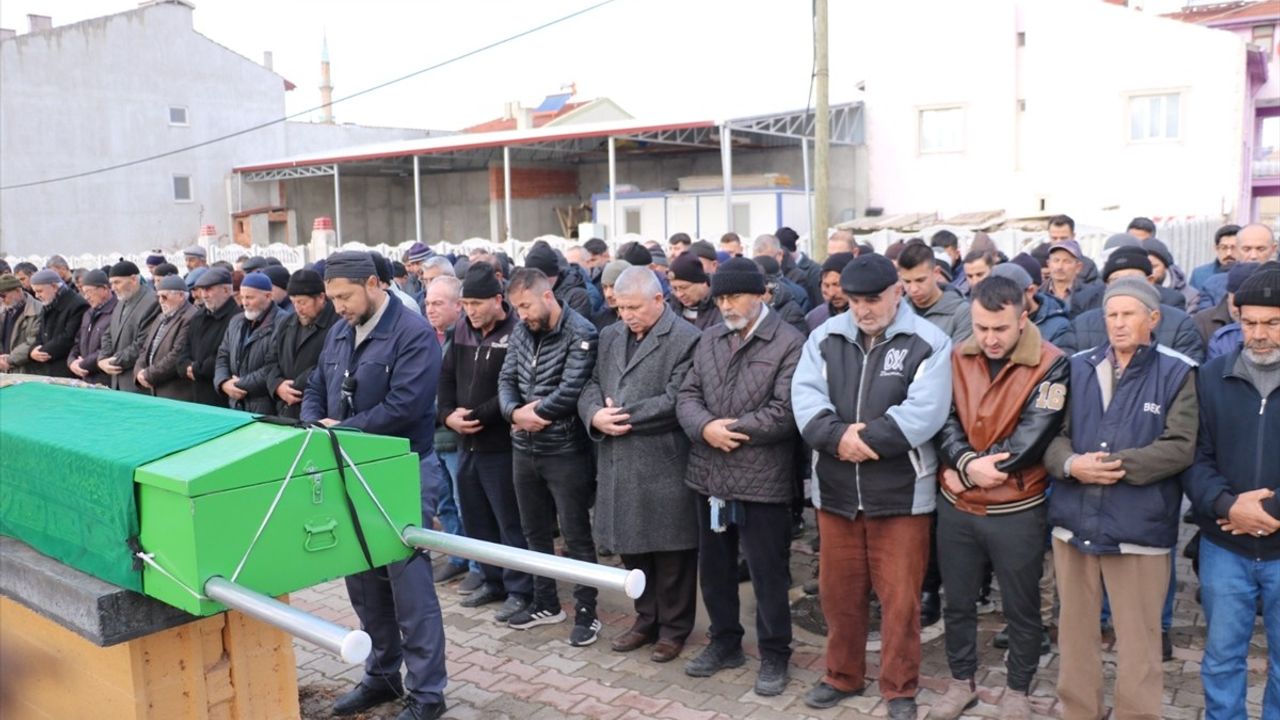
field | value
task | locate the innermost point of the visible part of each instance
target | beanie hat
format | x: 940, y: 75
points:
x: 1238, y: 274
x: 688, y: 268
x: 215, y: 276
x: 636, y: 254
x: 381, y: 267
x: 417, y: 252
x: 349, y: 265
x: 481, y: 282
x: 46, y: 277
x: 1015, y: 272
x: 1262, y: 288
x: 836, y: 262
x: 124, y: 268
x: 787, y: 238
x: 172, y: 282
x: 154, y: 259
x: 868, y: 275
x: 737, y: 275
x: 542, y: 257
x: 278, y: 275
x: 768, y: 265
x: 1127, y: 258
x: 609, y: 276
x: 305, y: 282
x: 1159, y: 249
x: 94, y: 278
x: 257, y: 281
x: 659, y: 257
x: 704, y: 250
x: 1141, y: 290
x: 1030, y: 265
x: 9, y: 281
x: 1120, y: 240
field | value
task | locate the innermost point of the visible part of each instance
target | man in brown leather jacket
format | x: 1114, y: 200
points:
x: 1009, y: 391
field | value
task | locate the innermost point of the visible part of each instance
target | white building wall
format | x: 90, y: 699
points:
x: 1070, y: 147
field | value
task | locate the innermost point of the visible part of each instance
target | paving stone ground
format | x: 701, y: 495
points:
x: 496, y: 672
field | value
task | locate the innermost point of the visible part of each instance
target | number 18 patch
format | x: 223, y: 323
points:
x: 1051, y: 396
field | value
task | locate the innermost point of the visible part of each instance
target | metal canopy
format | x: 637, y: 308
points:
x: 567, y: 144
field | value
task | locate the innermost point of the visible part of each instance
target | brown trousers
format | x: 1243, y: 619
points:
x: 888, y: 555
x: 1136, y: 585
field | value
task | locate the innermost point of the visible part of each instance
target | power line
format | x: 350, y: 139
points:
x: 366, y: 91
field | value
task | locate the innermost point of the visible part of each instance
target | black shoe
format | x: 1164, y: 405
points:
x: 1001, y: 640
x: 823, y: 695
x: 449, y: 572
x: 811, y: 586
x: 485, y: 595
x: 902, y: 709
x: 713, y: 659
x: 364, y: 697
x: 797, y: 528
x: 1166, y: 646
x: 415, y: 710
x: 1046, y: 641
x: 471, y: 583
x: 773, y: 676
x: 512, y: 605
x: 744, y: 572
x: 586, y: 628
x: 930, y: 608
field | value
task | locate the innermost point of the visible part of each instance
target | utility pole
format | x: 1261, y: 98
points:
x: 822, y: 133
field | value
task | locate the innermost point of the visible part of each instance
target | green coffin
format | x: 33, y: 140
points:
x: 88, y: 474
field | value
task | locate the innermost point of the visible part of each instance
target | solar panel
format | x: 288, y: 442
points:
x: 553, y: 103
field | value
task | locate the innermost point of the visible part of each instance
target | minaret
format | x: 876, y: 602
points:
x: 326, y: 87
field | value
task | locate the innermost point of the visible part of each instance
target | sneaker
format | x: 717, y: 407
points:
x: 773, y: 676
x: 823, y: 696
x: 512, y: 605
x: 714, y: 658
x: 902, y: 709
x: 586, y: 628
x: 960, y: 696
x: 534, y: 615
x: 485, y: 595
x: 471, y: 583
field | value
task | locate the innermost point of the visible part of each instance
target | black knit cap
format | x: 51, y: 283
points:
x: 636, y: 254
x: 1128, y: 257
x: 737, y: 276
x: 868, y: 275
x: 279, y: 275
x: 704, y: 250
x: 836, y: 262
x: 787, y: 238
x: 124, y: 268
x: 1262, y: 288
x: 542, y: 257
x: 768, y: 265
x: 382, y: 266
x: 481, y: 282
x: 687, y: 267
x: 1238, y: 273
x: 304, y: 282
x: 349, y: 265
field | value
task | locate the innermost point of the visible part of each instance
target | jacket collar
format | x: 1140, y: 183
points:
x: 765, y: 330
x: 903, y: 323
x: 383, y: 329
x: 1026, y: 352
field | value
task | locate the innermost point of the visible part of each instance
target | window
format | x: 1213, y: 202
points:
x: 632, y: 220
x: 942, y: 130
x: 1155, y: 117
x: 1264, y: 37
x: 178, y: 115
x: 742, y: 218
x: 182, y: 188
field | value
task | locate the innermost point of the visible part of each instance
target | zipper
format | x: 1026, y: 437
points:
x: 857, y: 416
x: 1257, y: 470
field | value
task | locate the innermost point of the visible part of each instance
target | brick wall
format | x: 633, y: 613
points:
x: 532, y: 183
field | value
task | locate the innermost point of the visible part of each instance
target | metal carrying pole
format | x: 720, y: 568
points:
x: 629, y: 582
x: 352, y: 646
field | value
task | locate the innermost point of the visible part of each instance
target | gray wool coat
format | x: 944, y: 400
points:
x: 642, y: 502
x: 130, y: 322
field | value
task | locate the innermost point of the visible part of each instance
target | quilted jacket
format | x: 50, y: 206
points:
x: 552, y: 368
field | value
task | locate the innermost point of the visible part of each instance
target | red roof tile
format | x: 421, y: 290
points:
x: 539, y: 119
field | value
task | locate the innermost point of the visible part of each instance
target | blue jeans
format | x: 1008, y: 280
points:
x: 1229, y: 588
x: 447, y: 503
x: 1166, y: 615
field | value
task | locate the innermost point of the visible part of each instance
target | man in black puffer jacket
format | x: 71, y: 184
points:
x: 549, y: 362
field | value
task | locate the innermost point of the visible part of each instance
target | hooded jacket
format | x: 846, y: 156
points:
x: 89, y: 339
x: 551, y: 368
x: 900, y: 388
x: 950, y: 314
x: 571, y: 290
x: 1051, y: 318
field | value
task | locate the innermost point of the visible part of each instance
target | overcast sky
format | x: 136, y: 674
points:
x: 655, y: 58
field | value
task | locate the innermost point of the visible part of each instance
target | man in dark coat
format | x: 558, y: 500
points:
x: 59, y: 322
x: 95, y: 287
x: 377, y: 373
x: 204, y: 336
x: 240, y: 371
x: 136, y: 308
x: 800, y: 268
x: 159, y: 367
x: 644, y: 511
x: 735, y: 406
x: 297, y: 340
x: 691, y: 292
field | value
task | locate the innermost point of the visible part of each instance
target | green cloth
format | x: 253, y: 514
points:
x: 67, y: 458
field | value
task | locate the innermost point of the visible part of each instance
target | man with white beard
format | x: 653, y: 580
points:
x: 240, y: 371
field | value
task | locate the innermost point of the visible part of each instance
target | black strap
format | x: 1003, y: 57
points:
x: 346, y: 495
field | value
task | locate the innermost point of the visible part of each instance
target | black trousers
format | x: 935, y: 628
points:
x: 551, y: 488
x: 765, y: 533
x: 669, y: 604
x: 490, y: 512
x: 1014, y: 546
